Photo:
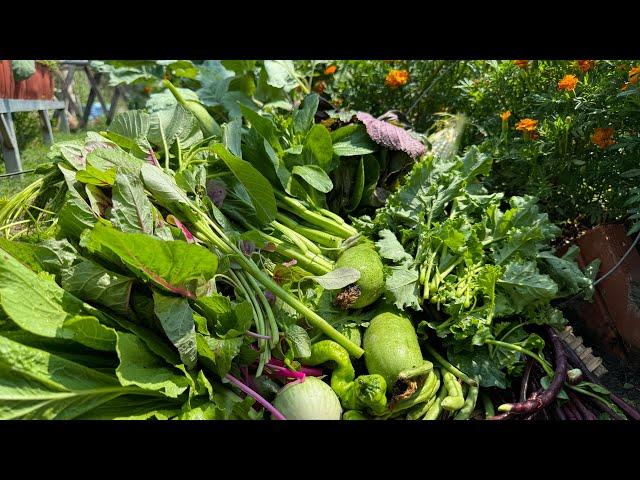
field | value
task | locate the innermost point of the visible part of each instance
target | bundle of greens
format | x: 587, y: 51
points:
x: 479, y: 267
x: 198, y: 270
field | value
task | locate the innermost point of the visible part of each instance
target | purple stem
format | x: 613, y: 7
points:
x: 257, y: 335
x: 274, y: 412
x: 285, y: 372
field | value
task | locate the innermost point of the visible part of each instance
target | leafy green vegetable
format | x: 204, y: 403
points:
x: 176, y: 318
x: 175, y: 266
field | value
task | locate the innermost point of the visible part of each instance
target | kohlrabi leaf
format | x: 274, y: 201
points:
x: 338, y: 278
x: 318, y: 148
x: 402, y: 287
x: 525, y: 285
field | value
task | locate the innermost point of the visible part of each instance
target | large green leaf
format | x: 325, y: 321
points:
x: 173, y: 124
x: 132, y: 210
x: 95, y: 284
x: 318, y: 148
x: 131, y: 128
x: 281, y: 74
x: 164, y: 189
x: 141, y: 367
x: 40, y: 306
x: 263, y: 126
x: 315, y: 176
x: 228, y: 319
x: 232, y: 136
x: 217, y: 354
x: 303, y: 117
x: 39, y: 385
x: 176, y: 318
x: 175, y: 266
x: 352, y: 140
x: 525, y: 285
x: 256, y: 185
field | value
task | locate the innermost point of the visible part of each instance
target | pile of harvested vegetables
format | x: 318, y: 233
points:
x: 296, y: 266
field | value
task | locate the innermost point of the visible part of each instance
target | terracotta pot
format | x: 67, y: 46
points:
x: 38, y: 86
x: 613, y: 319
x: 7, y: 85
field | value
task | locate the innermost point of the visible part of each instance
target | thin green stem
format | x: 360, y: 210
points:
x: 275, y: 336
x: 449, y: 367
x: 517, y: 348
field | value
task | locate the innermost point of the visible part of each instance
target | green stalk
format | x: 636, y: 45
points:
x: 266, y: 281
x: 450, y: 368
x: 312, y: 317
x: 323, y: 238
x: 303, y: 243
x: 517, y: 348
x: 315, y: 264
x: 273, y: 326
x: 314, y: 218
x: 258, y: 317
x: 207, y: 123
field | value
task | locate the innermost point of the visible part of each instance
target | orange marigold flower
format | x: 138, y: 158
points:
x: 568, y: 82
x: 505, y: 115
x: 634, y: 74
x: 602, y: 137
x: 319, y: 87
x: 521, y: 63
x: 624, y: 86
x: 147, y: 89
x: 330, y: 70
x: 586, y: 65
x: 527, y: 125
x: 396, y: 78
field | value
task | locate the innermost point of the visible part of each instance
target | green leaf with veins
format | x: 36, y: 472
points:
x: 40, y: 306
x: 141, y: 367
x: 176, y: 319
x: 401, y: 286
x: 132, y: 210
x: 176, y: 266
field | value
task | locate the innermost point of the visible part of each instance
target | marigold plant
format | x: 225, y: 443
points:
x: 585, y: 65
x: 330, y: 70
x: 504, y: 116
x: 634, y: 74
x: 568, y: 83
x: 521, y: 63
x: 602, y: 137
x: 396, y: 78
x: 527, y: 125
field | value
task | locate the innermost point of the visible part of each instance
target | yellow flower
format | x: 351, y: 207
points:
x: 330, y: 70
x: 634, y: 74
x: 521, y: 63
x: 586, y: 65
x: 505, y: 115
x: 568, y: 82
x: 396, y: 78
x: 602, y: 137
x: 527, y: 125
